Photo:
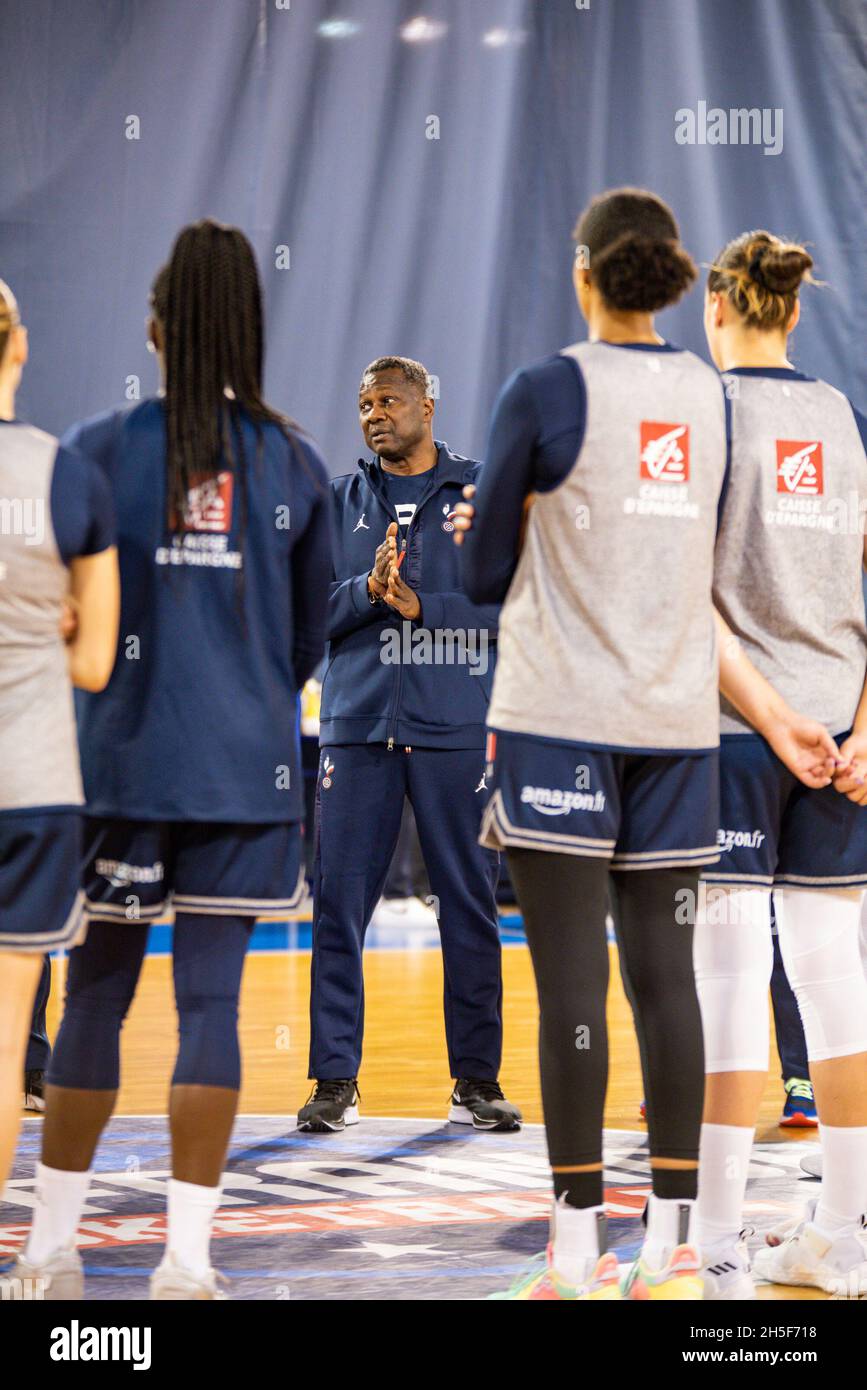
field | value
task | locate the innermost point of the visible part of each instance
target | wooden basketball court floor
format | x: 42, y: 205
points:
x: 405, y: 1071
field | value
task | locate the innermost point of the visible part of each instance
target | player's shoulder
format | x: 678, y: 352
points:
x: 698, y: 364
x: 539, y: 375
x: 78, y: 474
x: 304, y: 453
x: 34, y: 435
x: 95, y: 433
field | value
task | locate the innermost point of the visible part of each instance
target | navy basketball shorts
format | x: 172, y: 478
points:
x: 136, y: 870
x: 41, y: 903
x: 774, y: 830
x: 637, y: 810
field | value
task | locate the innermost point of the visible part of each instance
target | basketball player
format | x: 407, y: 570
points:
x: 604, y: 721
x: 190, y: 757
x: 787, y: 581
x: 399, y: 722
x: 56, y: 547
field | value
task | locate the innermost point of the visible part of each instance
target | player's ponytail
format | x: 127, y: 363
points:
x: 628, y: 240
x: 761, y: 275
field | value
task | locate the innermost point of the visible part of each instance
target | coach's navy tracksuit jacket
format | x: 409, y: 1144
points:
x: 365, y: 700
x: 394, y: 728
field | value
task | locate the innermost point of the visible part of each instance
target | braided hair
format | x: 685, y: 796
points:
x: 208, y: 302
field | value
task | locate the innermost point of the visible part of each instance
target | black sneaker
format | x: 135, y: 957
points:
x: 332, y: 1106
x: 34, y: 1091
x: 483, y: 1105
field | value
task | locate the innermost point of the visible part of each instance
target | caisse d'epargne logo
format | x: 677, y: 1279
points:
x: 209, y: 504
x: 664, y: 452
x: 799, y: 467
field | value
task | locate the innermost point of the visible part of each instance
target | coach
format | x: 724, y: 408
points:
x: 409, y: 672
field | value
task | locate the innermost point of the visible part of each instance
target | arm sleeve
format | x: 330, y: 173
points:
x: 82, y: 510
x: 455, y: 610
x: 861, y: 422
x: 311, y: 573
x: 720, y: 506
x: 349, y: 607
x: 490, y: 550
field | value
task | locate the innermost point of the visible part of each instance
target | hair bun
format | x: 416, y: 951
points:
x: 642, y: 273
x: 777, y: 266
x: 754, y: 267
x: 784, y: 267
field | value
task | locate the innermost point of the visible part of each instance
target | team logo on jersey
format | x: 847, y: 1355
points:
x: 799, y: 467
x: 209, y: 504
x: 449, y: 514
x: 664, y: 452
x: 327, y: 769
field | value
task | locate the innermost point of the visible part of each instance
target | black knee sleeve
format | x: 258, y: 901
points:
x: 208, y: 960
x: 101, y: 979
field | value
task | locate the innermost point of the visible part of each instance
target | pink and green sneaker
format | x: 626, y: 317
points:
x: 540, y: 1280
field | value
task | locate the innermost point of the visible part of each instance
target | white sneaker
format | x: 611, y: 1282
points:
x: 726, y: 1271
x: 60, y: 1279
x: 170, y: 1281
x: 411, y: 914
x: 807, y: 1257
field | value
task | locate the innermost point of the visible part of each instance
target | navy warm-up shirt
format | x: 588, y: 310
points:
x: 82, y: 514
x: 221, y: 623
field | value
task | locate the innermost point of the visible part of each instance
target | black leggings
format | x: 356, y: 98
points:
x: 564, y: 899
x: 207, y: 961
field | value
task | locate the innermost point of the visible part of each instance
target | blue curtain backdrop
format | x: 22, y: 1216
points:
x: 309, y: 126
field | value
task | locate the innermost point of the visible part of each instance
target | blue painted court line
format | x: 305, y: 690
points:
x: 298, y: 936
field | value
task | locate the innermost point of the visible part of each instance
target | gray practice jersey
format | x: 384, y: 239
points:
x: 788, y: 569
x: 607, y: 633
x: 44, y: 490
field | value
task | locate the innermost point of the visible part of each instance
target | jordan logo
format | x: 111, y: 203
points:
x: 361, y: 524
x: 799, y: 467
x: 664, y: 452
x: 483, y: 786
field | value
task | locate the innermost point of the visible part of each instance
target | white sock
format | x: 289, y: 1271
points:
x: 666, y: 1227
x: 723, y: 1163
x: 843, y: 1198
x: 60, y: 1198
x: 575, y: 1232
x: 191, y: 1214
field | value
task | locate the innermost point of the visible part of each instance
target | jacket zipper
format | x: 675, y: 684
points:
x: 395, y: 702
